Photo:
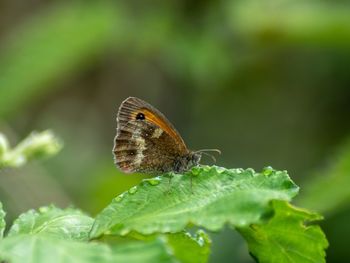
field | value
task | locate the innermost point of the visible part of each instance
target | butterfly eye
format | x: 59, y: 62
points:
x: 140, y: 116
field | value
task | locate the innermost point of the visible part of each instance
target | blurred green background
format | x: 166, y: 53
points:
x: 267, y: 82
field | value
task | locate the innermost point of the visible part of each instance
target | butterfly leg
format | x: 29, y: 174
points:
x: 191, y: 184
x: 170, y: 176
x: 169, y: 182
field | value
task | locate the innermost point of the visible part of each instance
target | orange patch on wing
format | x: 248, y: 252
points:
x: 150, y: 116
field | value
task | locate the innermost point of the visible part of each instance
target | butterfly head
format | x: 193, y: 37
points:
x: 185, y: 163
x: 194, y: 159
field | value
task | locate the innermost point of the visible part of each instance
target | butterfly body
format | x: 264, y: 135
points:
x: 147, y: 142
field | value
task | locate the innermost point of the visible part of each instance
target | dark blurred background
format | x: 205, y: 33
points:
x: 267, y: 82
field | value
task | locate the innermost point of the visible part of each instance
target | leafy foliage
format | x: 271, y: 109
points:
x: 52, y: 235
x: 275, y: 231
x: 238, y: 197
x: 254, y: 203
x: 40, y: 249
x: 287, y: 237
x: 36, y: 145
x: 2, y: 221
x: 66, y: 224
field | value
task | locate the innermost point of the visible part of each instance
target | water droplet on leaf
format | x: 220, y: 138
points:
x: 206, y: 168
x: 267, y: 170
x: 220, y: 169
x: 153, y: 181
x: 196, y: 170
x: 119, y: 198
x: 237, y: 170
x: 43, y: 209
x: 133, y: 190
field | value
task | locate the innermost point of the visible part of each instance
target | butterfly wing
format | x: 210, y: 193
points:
x: 146, y: 141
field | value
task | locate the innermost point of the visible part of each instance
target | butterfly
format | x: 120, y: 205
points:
x: 147, y: 142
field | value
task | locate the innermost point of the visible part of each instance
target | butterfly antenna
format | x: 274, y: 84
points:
x: 210, y: 155
x: 205, y: 152
x: 209, y: 150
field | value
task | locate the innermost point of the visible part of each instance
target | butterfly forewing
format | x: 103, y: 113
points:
x: 146, y: 141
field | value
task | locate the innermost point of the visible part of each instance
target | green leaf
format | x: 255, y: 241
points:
x: 329, y: 189
x: 184, y: 246
x: 2, y: 221
x: 35, y: 146
x: 235, y: 196
x: 145, y: 252
x: 51, y: 44
x: 287, y: 237
x: 190, y: 249
x: 66, y: 224
x: 43, y: 249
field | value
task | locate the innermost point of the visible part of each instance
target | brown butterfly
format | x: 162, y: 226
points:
x: 147, y: 142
